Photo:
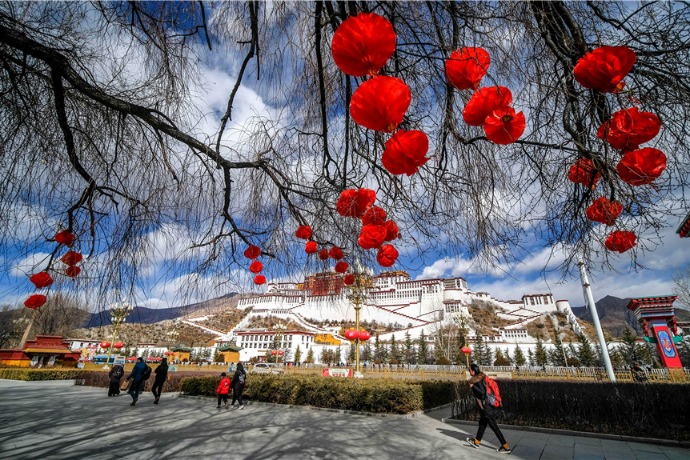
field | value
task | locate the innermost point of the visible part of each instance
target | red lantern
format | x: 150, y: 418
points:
x: 72, y: 258
x: 259, y: 280
x: 303, y: 232
x: 364, y: 336
x: 604, y: 211
x: 341, y: 267
x: 323, y: 254
x: 483, y: 102
x: 504, y: 126
x: 166, y: 353
x: 374, y: 216
x: 620, y: 241
x: 372, y: 236
x: 273, y: 352
x: 354, y: 203
x: 604, y: 68
x: 336, y: 253
x: 387, y: 255
x: 104, y: 344
x: 362, y: 44
x: 405, y: 152
x: 41, y: 280
x: 252, y: 252
x: 311, y: 247
x: 466, y: 67
x: 392, y: 231
x: 628, y: 128
x: 351, y: 334
x: 35, y: 301
x: 641, y: 167
x: 118, y: 345
x: 72, y: 271
x: 466, y: 350
x: 256, y: 267
x: 584, y: 172
x: 380, y: 103
x: 349, y: 279
x: 65, y: 237
x: 281, y: 352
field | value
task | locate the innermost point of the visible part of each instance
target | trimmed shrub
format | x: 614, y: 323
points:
x: 40, y: 374
x: 101, y: 379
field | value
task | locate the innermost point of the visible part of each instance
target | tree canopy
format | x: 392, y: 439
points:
x: 112, y: 129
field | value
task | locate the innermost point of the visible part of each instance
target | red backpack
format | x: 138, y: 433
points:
x: 493, y: 394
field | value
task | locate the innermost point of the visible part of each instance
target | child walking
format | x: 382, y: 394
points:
x: 223, y: 389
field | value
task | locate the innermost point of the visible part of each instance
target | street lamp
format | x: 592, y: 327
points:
x: 357, y: 296
x: 278, y: 328
x: 466, y: 351
x: 118, y: 313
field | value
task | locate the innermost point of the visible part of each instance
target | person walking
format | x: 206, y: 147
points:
x: 238, y: 379
x: 137, y: 378
x: 161, y: 374
x: 487, y: 411
x: 223, y: 389
x: 115, y: 375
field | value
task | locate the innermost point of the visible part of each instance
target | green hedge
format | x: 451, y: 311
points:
x: 101, y: 379
x: 40, y: 374
x: 367, y: 395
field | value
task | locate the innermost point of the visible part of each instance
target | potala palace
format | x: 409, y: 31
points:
x: 413, y: 306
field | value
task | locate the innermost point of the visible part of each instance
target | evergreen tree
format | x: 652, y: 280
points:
x: 409, y: 351
x: 519, y: 357
x: 501, y: 359
x: 298, y: 354
x: 540, y: 355
x: 439, y: 353
x: 378, y: 353
x: 631, y: 351
x: 585, y: 353
x: 506, y: 355
x: 352, y: 355
x: 458, y: 356
x: 366, y: 354
x: 310, y: 356
x: 558, y: 356
x: 530, y: 357
x: 422, y: 350
x: 395, y: 355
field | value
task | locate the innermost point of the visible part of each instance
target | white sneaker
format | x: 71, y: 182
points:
x: 241, y: 407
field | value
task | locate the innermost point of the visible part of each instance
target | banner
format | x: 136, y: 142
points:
x: 337, y: 372
x: 665, y: 346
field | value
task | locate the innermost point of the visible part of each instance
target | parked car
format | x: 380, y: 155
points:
x: 266, y: 368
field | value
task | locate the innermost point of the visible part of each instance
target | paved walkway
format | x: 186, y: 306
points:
x: 57, y: 420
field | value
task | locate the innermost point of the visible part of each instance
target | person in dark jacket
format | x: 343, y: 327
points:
x: 161, y: 374
x: 137, y: 378
x: 487, y: 411
x: 237, y: 385
x: 115, y: 375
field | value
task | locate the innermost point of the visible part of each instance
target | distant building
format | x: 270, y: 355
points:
x: 43, y: 351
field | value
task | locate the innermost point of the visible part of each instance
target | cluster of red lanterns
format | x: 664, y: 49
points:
x: 361, y: 46
x: 488, y: 107
x: 604, y: 69
x: 304, y: 232
x: 353, y: 335
x: 253, y: 253
x: 277, y: 352
x: 42, y: 280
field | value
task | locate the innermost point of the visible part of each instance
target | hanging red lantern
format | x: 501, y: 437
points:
x: 483, y: 102
x: 349, y: 279
x: 41, y: 280
x: 604, y: 211
x: 620, y: 241
x: 641, y: 167
x: 355, y: 202
x: 259, y: 280
x: 387, y: 255
x: 166, y: 353
x: 392, y: 231
x: 303, y: 232
x: 252, y: 252
x: 323, y: 254
x: 336, y: 253
x: 35, y: 301
x: 351, y: 334
x: 466, y: 350
x: 256, y: 267
x: 604, y: 68
x: 466, y: 67
x: 405, y: 152
x: 374, y: 216
x: 273, y: 352
x: 504, y: 126
x: 104, y: 344
x: 362, y: 44
x: 65, y: 237
x: 341, y: 267
x: 281, y: 352
x: 628, y: 128
x: 584, y: 172
x: 311, y: 247
x: 118, y: 345
x: 364, y: 336
x: 371, y: 236
x: 380, y: 103
x: 72, y: 271
x: 71, y: 258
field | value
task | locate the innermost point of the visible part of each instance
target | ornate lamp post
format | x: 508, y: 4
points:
x: 466, y: 351
x: 278, y: 328
x: 118, y: 313
x: 357, y: 296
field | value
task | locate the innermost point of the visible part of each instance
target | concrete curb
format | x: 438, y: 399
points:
x: 583, y: 434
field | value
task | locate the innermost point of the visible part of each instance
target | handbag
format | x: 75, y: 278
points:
x: 126, y: 384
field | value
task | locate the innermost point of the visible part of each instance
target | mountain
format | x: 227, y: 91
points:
x: 143, y: 315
